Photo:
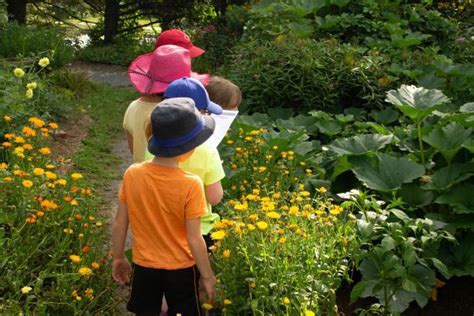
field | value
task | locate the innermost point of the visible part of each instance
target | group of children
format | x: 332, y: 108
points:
x: 167, y: 195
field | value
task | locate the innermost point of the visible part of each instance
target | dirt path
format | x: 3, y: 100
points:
x: 74, y: 131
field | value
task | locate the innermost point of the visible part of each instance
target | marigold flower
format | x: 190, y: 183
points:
x: 262, y: 169
x: 285, y: 300
x: 89, y: 293
x: 43, y: 62
x: 68, y: 231
x: 29, y: 93
x: 282, y: 240
x: 6, y: 144
x: 38, y: 171
x: 85, y: 271
x: 207, y: 306
x: 226, y: 253
x: 45, y: 151
x: 50, y: 175
x: 31, y: 85
x: 30, y: 220
x: 18, y: 72
x: 262, y: 225
x: 36, y: 121
x: 27, y: 183
x: 53, y: 125
x: 19, y: 140
x: 250, y: 227
x: 218, y: 235
x: 95, y: 265
x: 62, y: 182
x: 322, y: 190
x: 9, y: 135
x: 309, y: 313
x: 3, y: 166
x: 7, y: 118
x: 75, y: 258
x: 76, y: 176
x: 28, y: 131
x: 98, y: 224
x: 273, y: 215
x: 49, y: 166
x: 26, y: 289
x: 27, y: 146
x: 8, y: 179
x: 74, y: 202
x: 40, y: 213
x: 227, y: 302
x: 78, y: 298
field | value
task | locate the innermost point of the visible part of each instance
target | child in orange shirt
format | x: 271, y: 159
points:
x: 163, y: 205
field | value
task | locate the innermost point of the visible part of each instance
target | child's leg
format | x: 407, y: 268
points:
x: 182, y: 291
x: 147, y: 291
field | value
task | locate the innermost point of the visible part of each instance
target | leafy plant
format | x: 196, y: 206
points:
x: 398, y: 254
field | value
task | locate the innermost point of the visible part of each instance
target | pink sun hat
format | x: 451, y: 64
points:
x: 152, y: 73
x: 178, y: 38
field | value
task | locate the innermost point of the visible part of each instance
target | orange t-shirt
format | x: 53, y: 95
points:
x: 159, y: 200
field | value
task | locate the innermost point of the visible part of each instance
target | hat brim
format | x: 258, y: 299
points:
x: 195, y: 51
x: 206, y: 132
x: 137, y: 72
x: 214, y: 108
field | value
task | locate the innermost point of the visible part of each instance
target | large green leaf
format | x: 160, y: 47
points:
x: 414, y: 196
x: 384, y: 172
x: 460, y: 197
x: 448, y: 139
x: 469, y: 145
x: 360, y: 144
x: 416, y: 102
x: 467, y: 108
x: 386, y: 116
x: 450, y: 175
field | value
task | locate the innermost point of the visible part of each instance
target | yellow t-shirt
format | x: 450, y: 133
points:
x: 159, y: 201
x: 206, y: 163
x: 134, y: 121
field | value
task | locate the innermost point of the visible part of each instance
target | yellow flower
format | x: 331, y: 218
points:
x: 53, y: 125
x: 89, y: 293
x: 218, y: 235
x: 38, y: 171
x: 19, y: 140
x: 294, y: 210
x: 262, y: 169
x: 31, y: 85
x: 207, y: 306
x: 309, y: 313
x: 335, y: 210
x: 250, y: 227
x: 7, y: 118
x: 227, y: 302
x: 226, y: 253
x: 50, y: 175
x: 285, y: 300
x: 280, y: 37
x: 95, y: 265
x: 29, y: 93
x: 43, y: 62
x: 304, y: 193
x: 241, y: 206
x: 7, y: 144
x: 26, y: 289
x: 68, y: 231
x: 75, y: 259
x: 61, y: 182
x: 253, y: 217
x: 18, y: 72
x: 78, y: 298
x: 3, y: 166
x: 49, y: 166
x: 230, y: 142
x: 282, y: 240
x: 36, y: 121
x: 45, y: 151
x: 262, y: 225
x: 76, y: 176
x: 8, y: 179
x: 322, y: 190
x: 273, y: 215
x: 85, y: 271
x: 27, y: 183
x: 28, y: 131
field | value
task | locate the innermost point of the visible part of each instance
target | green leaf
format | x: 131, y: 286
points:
x: 388, y: 243
x: 357, y: 290
x: 460, y: 197
x: 386, y: 116
x: 384, y: 172
x: 467, y: 108
x: 469, y: 145
x: 409, y: 256
x: 400, y: 301
x: 408, y: 285
x: 441, y: 267
x: 342, y: 165
x: 360, y: 144
x: 415, y: 196
x: 448, y: 139
x: 416, y: 102
x: 448, y: 176
x: 329, y: 127
x: 425, y: 276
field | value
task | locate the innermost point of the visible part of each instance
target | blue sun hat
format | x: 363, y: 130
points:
x: 192, y: 88
x: 178, y: 127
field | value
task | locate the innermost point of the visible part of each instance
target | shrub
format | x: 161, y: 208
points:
x: 305, y: 75
x: 25, y: 41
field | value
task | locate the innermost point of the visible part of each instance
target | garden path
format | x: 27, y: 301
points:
x: 115, y: 76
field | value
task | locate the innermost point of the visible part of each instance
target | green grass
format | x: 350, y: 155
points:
x: 106, y: 106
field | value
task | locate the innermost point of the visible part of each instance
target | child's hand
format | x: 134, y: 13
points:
x: 121, y: 271
x: 208, y: 284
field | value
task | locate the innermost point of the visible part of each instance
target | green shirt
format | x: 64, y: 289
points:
x: 205, y: 162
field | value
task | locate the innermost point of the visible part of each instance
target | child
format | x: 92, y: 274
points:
x: 225, y: 93
x: 178, y: 38
x: 151, y: 74
x: 163, y: 205
x: 205, y: 161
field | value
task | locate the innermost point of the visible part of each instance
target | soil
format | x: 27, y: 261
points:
x: 456, y: 298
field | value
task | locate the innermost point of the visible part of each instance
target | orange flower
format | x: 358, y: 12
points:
x: 45, y: 151
x: 27, y: 183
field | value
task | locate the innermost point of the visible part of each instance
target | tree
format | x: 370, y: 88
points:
x: 16, y: 10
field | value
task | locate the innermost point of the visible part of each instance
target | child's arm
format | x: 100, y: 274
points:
x: 120, y: 267
x: 199, y: 252
x: 214, y: 193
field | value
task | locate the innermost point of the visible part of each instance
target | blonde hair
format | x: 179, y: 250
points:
x: 221, y: 91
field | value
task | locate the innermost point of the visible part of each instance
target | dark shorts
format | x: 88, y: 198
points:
x: 180, y: 288
x: 209, y: 241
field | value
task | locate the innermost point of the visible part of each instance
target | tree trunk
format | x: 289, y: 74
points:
x: 16, y: 10
x: 111, y: 20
